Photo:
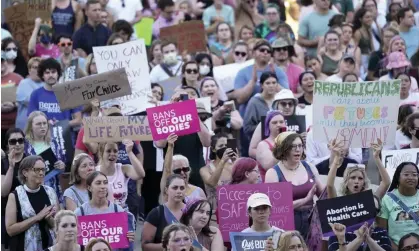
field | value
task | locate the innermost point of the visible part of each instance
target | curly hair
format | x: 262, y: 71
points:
x: 173, y: 228
x: 49, y: 64
x: 282, y: 149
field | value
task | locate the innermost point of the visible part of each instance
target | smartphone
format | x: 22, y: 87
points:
x: 230, y: 104
x: 232, y: 143
x: 184, y: 97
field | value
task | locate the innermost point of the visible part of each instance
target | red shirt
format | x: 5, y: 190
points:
x: 8, y: 119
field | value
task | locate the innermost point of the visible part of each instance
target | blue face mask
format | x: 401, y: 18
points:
x: 45, y: 39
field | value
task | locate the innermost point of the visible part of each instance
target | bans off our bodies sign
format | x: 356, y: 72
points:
x: 112, y: 227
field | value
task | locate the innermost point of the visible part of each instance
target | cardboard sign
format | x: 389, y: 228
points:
x: 180, y: 118
x: 133, y: 57
x: 232, y: 202
x: 248, y: 241
x: 295, y: 123
x: 39, y: 8
x: 189, y: 36
x: 20, y: 27
x: 226, y: 74
x: 169, y: 86
x: 62, y: 132
x: 392, y: 158
x: 116, y: 128
x: 356, y: 113
x: 112, y: 227
x: 49, y: 159
x: 8, y: 93
x: 144, y: 29
x: 102, y: 86
x: 351, y: 210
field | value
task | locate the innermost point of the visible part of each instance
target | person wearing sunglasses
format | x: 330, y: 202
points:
x: 283, y: 52
x: 291, y: 167
x: 239, y: 53
x: 41, y: 41
x: 9, y: 169
x: 31, y: 208
x: 71, y: 66
x: 409, y: 242
x: 179, y: 164
x: 190, y: 74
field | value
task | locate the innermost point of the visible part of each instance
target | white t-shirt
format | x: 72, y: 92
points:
x: 412, y: 99
x: 401, y: 140
x: 126, y: 13
x: 273, y: 228
x: 157, y: 74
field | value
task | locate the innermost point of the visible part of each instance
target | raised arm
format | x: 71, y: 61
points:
x: 136, y: 170
x: 212, y: 179
x: 334, y: 163
x: 32, y: 40
x: 167, y: 165
x: 385, y: 178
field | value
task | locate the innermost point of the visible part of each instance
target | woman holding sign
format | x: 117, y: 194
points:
x: 400, y: 206
x: 31, y: 208
x: 39, y: 142
x: 289, y: 150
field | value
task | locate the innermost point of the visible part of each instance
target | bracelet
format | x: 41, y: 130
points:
x: 342, y: 244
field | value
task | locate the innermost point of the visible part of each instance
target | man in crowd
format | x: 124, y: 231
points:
x: 44, y: 99
x: 270, y: 29
x: 408, y: 31
x: 215, y: 14
x: 283, y: 52
x: 166, y: 18
x: 171, y: 66
x: 24, y: 91
x: 73, y: 67
x: 92, y: 33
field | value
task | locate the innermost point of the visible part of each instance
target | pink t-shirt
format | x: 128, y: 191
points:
x: 293, y: 74
x: 42, y: 52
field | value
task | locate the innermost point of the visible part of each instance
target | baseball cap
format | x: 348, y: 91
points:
x: 258, y: 199
x: 261, y: 43
x: 348, y: 56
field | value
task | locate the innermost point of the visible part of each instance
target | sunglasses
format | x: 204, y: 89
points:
x: 11, y: 49
x: 264, y: 50
x: 63, y: 44
x: 284, y: 104
x: 238, y: 53
x: 281, y: 49
x: 192, y: 71
x: 15, y: 141
x: 180, y: 170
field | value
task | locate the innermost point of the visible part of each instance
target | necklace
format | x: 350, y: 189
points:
x: 291, y: 169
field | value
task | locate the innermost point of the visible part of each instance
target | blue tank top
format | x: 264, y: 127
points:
x: 63, y: 20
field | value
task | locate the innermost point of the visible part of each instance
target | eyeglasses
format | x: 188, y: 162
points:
x: 10, y: 49
x: 38, y: 170
x: 281, y: 49
x: 299, y: 146
x: 180, y: 170
x: 264, y: 50
x: 15, y: 141
x: 63, y: 44
x: 411, y: 248
x: 239, y: 53
x: 192, y: 71
x: 289, y: 104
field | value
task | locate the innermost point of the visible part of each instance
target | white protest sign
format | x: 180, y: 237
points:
x: 133, y: 57
x: 356, y: 113
x: 225, y: 74
x: 392, y: 158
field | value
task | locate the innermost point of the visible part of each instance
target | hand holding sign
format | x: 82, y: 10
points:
x: 269, y: 245
x: 131, y: 236
x: 172, y: 139
x: 59, y: 165
x: 129, y: 144
x: 339, y: 230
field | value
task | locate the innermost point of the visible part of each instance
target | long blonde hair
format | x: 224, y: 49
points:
x: 29, y: 131
x: 285, y: 240
x: 346, y: 175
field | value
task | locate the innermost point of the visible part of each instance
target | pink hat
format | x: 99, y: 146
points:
x: 397, y: 60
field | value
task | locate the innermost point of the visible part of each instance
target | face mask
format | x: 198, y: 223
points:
x: 220, y: 152
x: 204, y: 70
x: 11, y: 54
x: 45, y: 39
x: 170, y: 58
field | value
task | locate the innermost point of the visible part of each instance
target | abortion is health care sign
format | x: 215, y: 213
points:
x: 180, y: 118
x: 232, y: 202
x: 112, y: 227
x: 356, y: 113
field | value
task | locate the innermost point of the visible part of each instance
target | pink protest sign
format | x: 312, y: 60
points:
x: 232, y: 202
x: 111, y: 227
x: 179, y: 118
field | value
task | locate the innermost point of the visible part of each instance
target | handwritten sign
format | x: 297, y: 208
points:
x: 180, y: 118
x: 392, y: 158
x: 111, y: 227
x: 133, y: 57
x: 225, y: 74
x: 356, y: 113
x: 39, y: 8
x: 8, y: 92
x: 116, y: 128
x: 189, y: 36
x: 104, y: 86
x: 144, y: 29
x: 351, y: 210
x: 248, y: 241
x: 232, y: 201
x: 20, y: 27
